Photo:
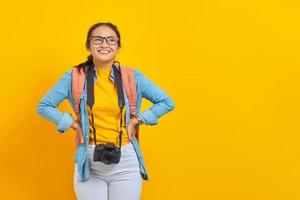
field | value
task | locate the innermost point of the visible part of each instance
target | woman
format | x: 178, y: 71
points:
x: 103, y: 120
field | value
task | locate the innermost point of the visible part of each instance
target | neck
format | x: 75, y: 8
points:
x: 101, y: 64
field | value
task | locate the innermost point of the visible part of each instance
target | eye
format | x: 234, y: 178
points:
x: 97, y: 39
x: 111, y: 39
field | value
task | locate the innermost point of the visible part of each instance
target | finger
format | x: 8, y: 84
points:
x: 133, y: 133
x: 82, y: 141
x: 129, y: 133
x: 82, y: 138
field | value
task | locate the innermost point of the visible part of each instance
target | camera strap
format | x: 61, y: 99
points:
x: 91, y: 98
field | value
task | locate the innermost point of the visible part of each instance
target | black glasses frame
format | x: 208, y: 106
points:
x: 104, y: 38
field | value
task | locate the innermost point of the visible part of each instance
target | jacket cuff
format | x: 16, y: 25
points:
x: 147, y: 117
x: 65, y: 122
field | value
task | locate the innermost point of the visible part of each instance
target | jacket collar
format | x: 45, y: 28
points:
x: 112, y: 75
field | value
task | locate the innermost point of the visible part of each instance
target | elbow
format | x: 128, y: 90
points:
x: 39, y: 109
x: 171, y: 104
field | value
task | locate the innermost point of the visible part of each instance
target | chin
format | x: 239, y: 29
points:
x: 103, y: 58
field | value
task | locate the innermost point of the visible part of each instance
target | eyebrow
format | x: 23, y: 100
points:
x: 104, y: 36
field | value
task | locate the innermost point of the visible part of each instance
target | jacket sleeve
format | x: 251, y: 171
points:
x: 162, y: 102
x: 47, y: 105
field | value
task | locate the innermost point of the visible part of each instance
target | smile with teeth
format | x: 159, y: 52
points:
x: 103, y: 51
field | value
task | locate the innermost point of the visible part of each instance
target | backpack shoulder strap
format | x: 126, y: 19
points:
x: 77, y: 87
x: 128, y: 80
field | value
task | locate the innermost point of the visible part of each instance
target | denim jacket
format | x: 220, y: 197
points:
x: 162, y: 103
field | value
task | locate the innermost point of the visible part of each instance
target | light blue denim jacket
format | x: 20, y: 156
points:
x: 162, y: 103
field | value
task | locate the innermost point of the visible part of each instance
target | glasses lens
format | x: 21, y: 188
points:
x: 97, y: 40
x: 112, y: 40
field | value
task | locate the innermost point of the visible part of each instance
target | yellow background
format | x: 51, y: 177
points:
x: 232, y: 68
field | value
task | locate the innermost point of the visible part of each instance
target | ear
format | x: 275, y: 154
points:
x: 88, y: 48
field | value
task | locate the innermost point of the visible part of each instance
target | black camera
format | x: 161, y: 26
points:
x: 107, y: 153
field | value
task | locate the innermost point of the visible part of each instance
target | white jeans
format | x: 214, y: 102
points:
x: 120, y: 181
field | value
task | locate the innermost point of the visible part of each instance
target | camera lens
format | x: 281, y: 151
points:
x: 107, y: 156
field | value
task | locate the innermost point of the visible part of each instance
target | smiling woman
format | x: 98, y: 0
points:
x: 104, y: 155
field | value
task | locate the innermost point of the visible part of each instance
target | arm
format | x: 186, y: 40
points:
x: 47, y: 105
x: 162, y: 102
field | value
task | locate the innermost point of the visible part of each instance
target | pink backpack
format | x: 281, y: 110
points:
x: 128, y: 81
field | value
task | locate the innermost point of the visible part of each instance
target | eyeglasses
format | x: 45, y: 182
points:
x: 109, y: 40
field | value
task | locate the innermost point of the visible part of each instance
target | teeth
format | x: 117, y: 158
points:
x: 106, y: 52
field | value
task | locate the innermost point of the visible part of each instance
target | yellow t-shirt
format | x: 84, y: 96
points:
x: 106, y: 111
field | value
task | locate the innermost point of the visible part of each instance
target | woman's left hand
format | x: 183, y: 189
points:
x: 133, y: 127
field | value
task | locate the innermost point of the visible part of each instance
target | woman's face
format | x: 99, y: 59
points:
x: 104, y: 50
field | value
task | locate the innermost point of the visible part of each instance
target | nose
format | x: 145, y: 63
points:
x: 104, y: 43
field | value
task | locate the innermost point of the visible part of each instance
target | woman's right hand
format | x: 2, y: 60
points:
x: 77, y: 127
